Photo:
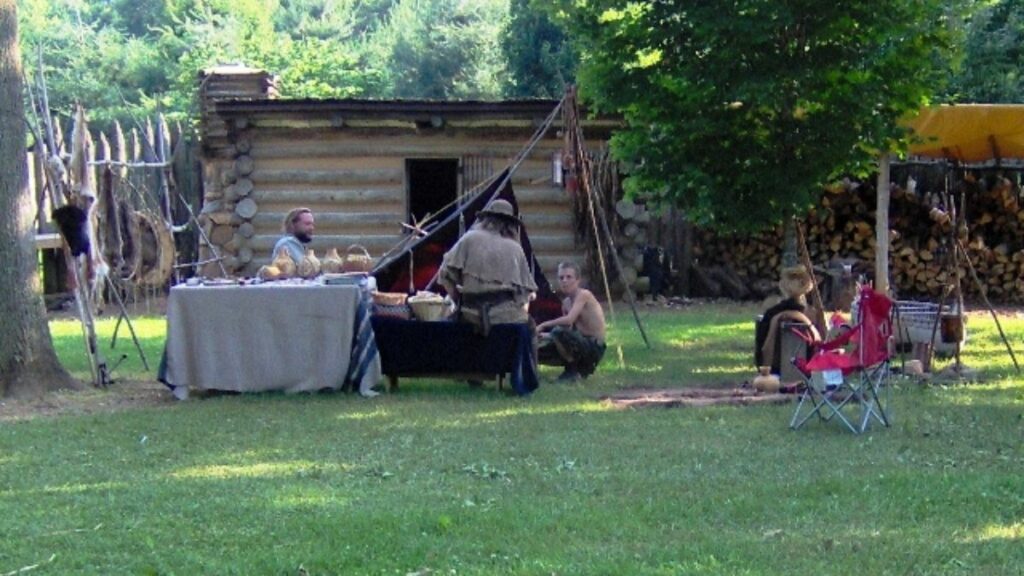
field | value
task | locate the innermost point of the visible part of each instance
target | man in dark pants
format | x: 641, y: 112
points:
x: 576, y: 338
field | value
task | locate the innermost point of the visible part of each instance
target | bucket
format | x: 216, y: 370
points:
x: 951, y: 327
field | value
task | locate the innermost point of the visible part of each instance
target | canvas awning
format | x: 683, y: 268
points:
x: 970, y: 133
x: 966, y: 133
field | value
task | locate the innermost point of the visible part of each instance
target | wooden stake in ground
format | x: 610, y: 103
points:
x: 981, y: 290
x: 805, y: 259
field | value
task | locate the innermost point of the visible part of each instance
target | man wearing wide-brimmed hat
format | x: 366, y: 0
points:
x: 795, y: 283
x: 486, y: 271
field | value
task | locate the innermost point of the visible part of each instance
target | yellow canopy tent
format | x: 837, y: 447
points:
x: 969, y: 133
x: 966, y: 133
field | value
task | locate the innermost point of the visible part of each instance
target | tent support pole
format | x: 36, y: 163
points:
x: 984, y: 298
x: 585, y: 184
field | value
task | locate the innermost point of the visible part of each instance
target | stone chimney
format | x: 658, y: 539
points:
x: 229, y: 82
x: 235, y: 81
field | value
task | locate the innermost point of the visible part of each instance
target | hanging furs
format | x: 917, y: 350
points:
x: 154, y: 249
x: 71, y: 220
x: 83, y: 197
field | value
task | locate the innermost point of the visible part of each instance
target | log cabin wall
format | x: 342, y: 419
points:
x: 348, y: 162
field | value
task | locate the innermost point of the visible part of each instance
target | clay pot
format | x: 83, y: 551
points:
x: 310, y: 265
x: 332, y: 262
x: 284, y: 263
x: 270, y: 272
x: 765, y: 381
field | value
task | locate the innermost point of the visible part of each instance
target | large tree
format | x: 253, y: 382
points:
x: 740, y: 111
x: 442, y: 49
x: 28, y: 363
x: 992, y: 70
x: 541, y: 61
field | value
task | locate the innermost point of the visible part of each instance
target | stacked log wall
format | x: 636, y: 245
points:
x: 354, y: 180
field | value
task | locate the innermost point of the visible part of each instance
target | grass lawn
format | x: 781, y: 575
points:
x: 443, y: 479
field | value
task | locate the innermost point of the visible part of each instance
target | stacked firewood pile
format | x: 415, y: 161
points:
x: 995, y: 240
x: 842, y: 229
x: 631, y: 238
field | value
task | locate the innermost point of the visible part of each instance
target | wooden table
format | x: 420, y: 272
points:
x: 446, y: 349
x: 268, y: 337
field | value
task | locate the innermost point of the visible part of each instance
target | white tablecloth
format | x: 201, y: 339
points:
x: 269, y: 337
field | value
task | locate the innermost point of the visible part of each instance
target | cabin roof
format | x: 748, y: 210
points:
x: 411, y: 109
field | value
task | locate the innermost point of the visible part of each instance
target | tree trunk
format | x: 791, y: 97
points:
x: 28, y: 363
x: 790, y: 251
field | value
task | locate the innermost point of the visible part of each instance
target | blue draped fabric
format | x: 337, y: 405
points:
x: 409, y: 347
x: 364, y: 345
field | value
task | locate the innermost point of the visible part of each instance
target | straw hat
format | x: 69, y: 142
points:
x: 795, y: 281
x: 501, y: 209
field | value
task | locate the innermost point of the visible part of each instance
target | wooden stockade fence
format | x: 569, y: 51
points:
x: 144, y: 177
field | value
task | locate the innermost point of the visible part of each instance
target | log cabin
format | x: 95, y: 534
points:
x: 365, y: 167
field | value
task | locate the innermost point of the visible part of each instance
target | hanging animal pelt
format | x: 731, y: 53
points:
x: 81, y: 152
x: 83, y: 195
x: 129, y: 248
x: 154, y: 250
x: 110, y: 220
x: 71, y: 221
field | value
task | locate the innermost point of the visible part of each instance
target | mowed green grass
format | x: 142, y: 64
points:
x: 439, y: 478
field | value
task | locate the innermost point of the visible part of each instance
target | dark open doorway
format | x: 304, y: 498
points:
x: 432, y: 184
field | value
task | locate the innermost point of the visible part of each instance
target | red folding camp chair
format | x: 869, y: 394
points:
x: 846, y: 374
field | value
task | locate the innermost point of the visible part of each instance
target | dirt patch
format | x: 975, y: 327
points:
x: 117, y: 397
x: 693, y: 397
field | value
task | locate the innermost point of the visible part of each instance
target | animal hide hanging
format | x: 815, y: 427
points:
x: 110, y: 222
x: 71, y: 221
x: 81, y: 153
x: 154, y: 250
x: 129, y: 246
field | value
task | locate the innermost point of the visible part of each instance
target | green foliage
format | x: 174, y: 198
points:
x: 540, y: 58
x: 331, y: 18
x: 443, y: 49
x: 100, y: 66
x: 132, y: 17
x: 126, y: 60
x: 992, y: 70
x: 324, y: 68
x: 755, y: 103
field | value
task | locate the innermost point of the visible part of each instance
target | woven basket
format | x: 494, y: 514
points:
x: 427, y: 310
x: 390, y: 298
x: 357, y: 259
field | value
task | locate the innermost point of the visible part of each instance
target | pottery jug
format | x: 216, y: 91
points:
x: 765, y: 381
x: 331, y: 264
x: 269, y: 272
x: 310, y: 265
x: 284, y: 263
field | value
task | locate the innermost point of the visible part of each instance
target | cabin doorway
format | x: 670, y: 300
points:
x: 432, y: 184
